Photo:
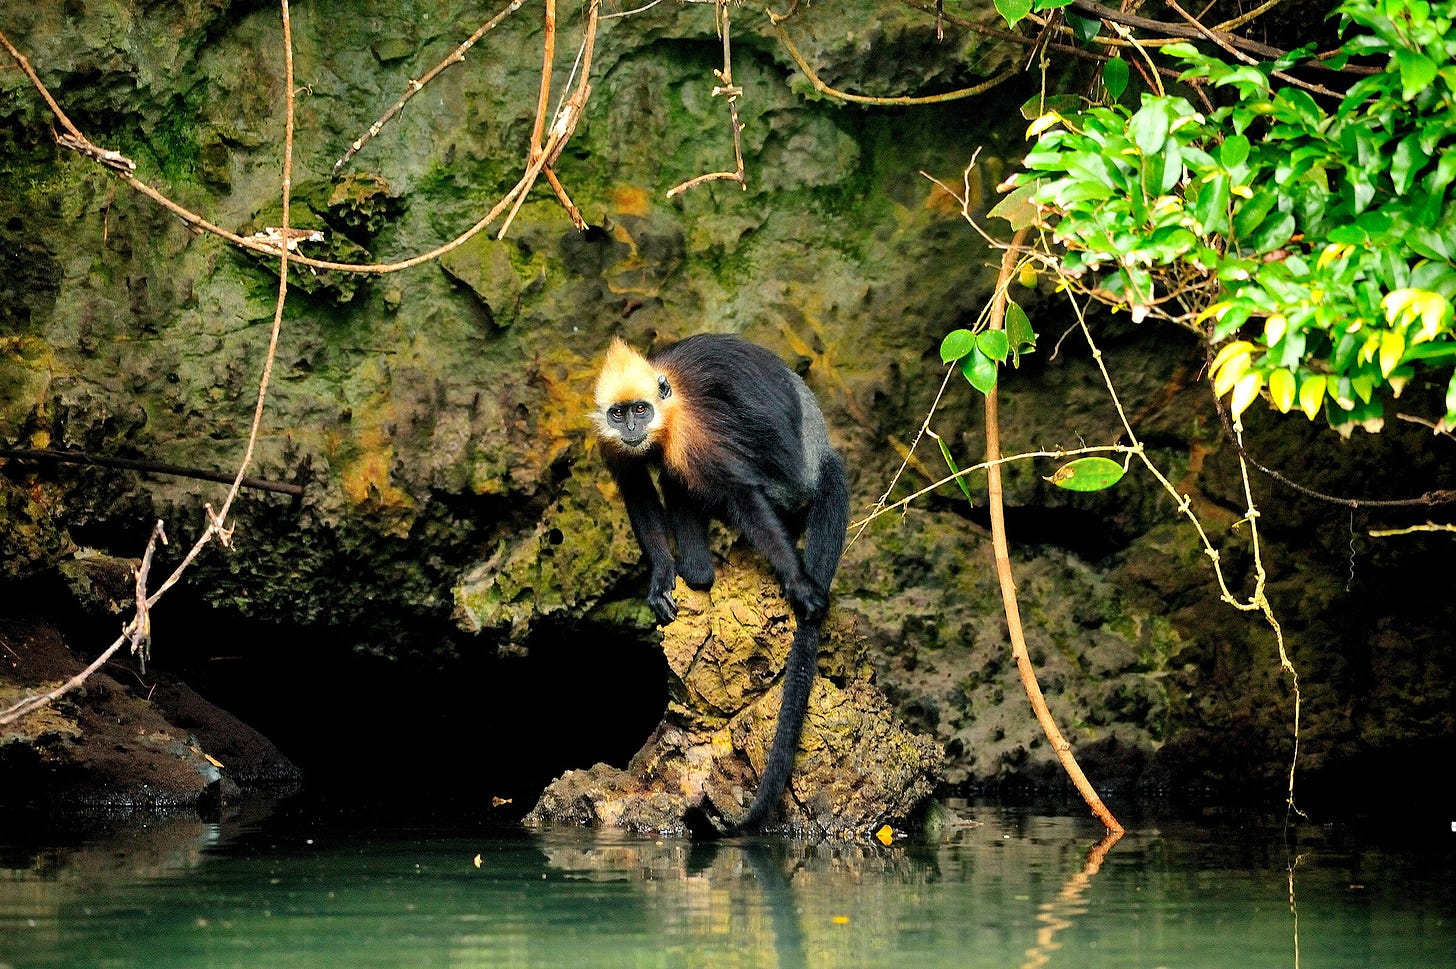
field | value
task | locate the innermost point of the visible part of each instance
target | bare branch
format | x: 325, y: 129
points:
x: 138, y: 631
x: 728, y: 89
x: 775, y: 21
x: 415, y: 86
x: 149, y: 467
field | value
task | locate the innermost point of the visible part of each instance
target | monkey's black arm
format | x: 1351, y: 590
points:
x: 689, y: 521
x: 649, y: 523
x: 760, y: 523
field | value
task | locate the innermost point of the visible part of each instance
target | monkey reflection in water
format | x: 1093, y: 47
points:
x: 733, y: 435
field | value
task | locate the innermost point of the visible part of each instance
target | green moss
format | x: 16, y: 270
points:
x: 172, y: 141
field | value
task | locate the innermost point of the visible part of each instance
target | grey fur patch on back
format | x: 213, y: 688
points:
x: 814, y: 433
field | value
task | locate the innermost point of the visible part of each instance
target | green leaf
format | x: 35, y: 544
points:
x: 1406, y: 163
x: 1044, y: 104
x: 1114, y: 77
x: 957, y: 344
x: 980, y: 370
x: 993, y: 343
x: 954, y: 468
x: 1251, y: 211
x: 1163, y: 170
x: 1086, y: 28
x: 1273, y: 233
x: 1019, y: 332
x: 1416, y: 71
x: 1088, y: 474
x: 1210, y: 206
x: 1149, y: 126
x: 1017, y: 207
x: 1013, y: 10
x: 1234, y: 151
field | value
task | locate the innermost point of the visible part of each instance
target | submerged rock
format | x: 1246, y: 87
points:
x: 858, y: 767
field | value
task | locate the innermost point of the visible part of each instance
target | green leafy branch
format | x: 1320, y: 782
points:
x: 978, y: 354
x: 1310, y: 244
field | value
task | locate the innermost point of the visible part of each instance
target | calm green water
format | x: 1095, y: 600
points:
x: 1011, y: 890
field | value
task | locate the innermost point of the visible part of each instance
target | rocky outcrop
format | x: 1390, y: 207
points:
x: 858, y: 766
x: 434, y: 418
x: 117, y: 748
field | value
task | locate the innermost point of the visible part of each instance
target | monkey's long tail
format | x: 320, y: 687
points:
x: 799, y: 672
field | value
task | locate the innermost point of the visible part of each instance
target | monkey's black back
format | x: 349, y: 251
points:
x: 754, y: 406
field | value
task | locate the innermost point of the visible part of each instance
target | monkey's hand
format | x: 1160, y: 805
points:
x: 659, y: 594
x: 808, y: 601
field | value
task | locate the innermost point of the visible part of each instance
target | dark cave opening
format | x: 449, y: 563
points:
x: 477, y: 731
x: 456, y: 730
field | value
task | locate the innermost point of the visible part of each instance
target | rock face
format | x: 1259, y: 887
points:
x: 858, y: 765
x: 434, y: 418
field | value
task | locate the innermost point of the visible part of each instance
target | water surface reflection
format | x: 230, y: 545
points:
x: 1009, y: 889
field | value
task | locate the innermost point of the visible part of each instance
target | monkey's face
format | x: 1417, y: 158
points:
x: 631, y: 423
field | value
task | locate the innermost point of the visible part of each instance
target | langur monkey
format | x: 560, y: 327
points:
x: 733, y: 435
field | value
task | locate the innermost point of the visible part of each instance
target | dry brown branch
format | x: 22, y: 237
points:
x: 997, y: 33
x: 140, y: 635
x: 824, y: 89
x: 560, y: 133
x: 138, y: 631
x: 724, y: 88
x: 1002, y: 555
x: 1170, y: 30
x: 134, y: 632
x: 543, y: 156
x: 1412, y: 529
x: 415, y: 86
x: 1221, y: 39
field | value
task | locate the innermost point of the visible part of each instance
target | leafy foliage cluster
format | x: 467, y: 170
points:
x: 1309, y: 238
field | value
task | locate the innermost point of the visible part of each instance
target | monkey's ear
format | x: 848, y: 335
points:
x: 664, y: 389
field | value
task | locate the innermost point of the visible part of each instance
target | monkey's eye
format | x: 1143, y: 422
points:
x: 639, y: 408
x: 616, y: 413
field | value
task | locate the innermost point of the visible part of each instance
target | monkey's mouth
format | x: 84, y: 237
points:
x: 633, y: 442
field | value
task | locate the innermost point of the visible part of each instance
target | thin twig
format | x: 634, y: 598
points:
x: 81, y: 143
x: 827, y: 91
x: 138, y: 630
x: 1222, y: 41
x: 132, y: 633
x: 562, y: 128
x: 1002, y: 555
x: 415, y: 86
x: 727, y: 88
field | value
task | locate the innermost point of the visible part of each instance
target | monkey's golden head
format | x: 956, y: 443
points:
x: 634, y: 400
